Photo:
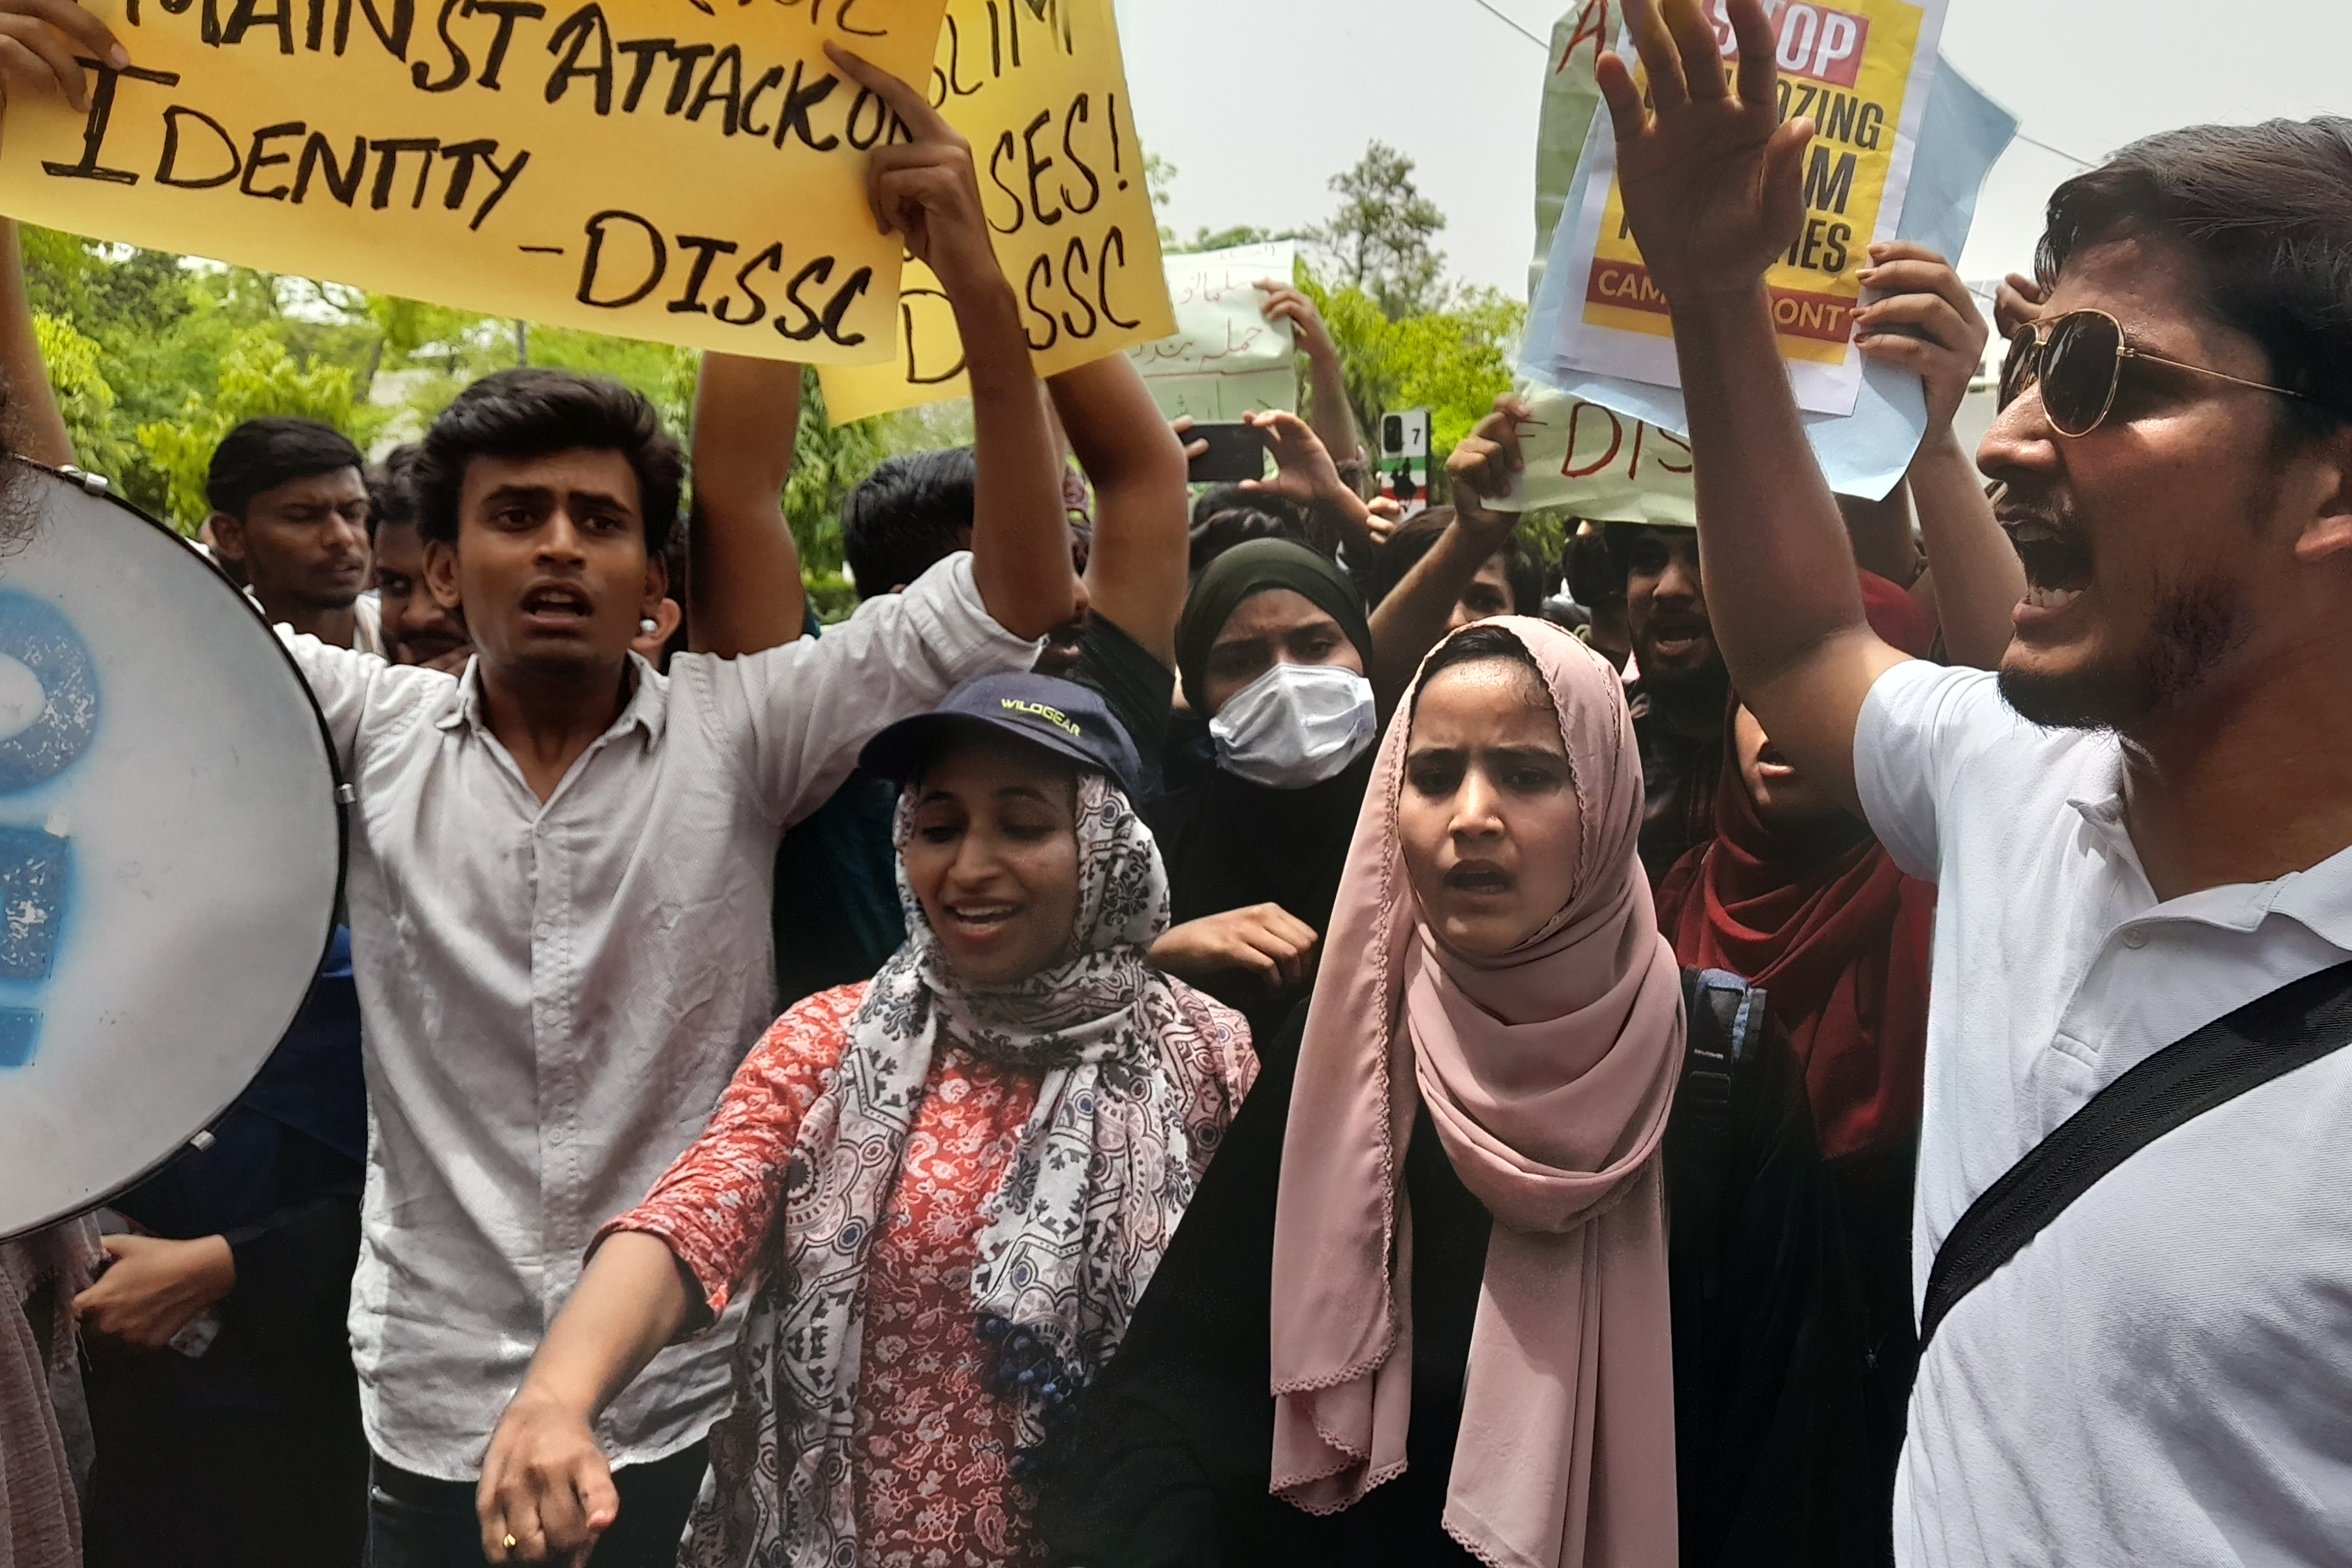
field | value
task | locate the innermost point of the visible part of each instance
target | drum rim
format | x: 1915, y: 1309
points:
x: 98, y: 487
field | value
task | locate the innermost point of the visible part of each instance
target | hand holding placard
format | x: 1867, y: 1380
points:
x: 1040, y: 92
x: 1925, y: 321
x: 1232, y: 350
x: 926, y: 192
x: 38, y: 41
x: 923, y: 191
x: 1286, y: 303
x: 1488, y: 463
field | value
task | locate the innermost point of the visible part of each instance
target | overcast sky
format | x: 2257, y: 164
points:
x: 1258, y: 102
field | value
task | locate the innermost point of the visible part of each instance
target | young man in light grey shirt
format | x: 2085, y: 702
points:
x: 560, y: 864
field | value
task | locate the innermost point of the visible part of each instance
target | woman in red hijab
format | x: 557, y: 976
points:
x: 1794, y: 895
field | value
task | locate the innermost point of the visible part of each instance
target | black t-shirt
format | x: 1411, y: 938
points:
x: 1138, y: 689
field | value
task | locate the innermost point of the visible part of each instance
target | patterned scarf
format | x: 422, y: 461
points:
x: 1069, y: 1241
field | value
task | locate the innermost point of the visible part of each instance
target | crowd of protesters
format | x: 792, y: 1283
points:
x: 1232, y: 1025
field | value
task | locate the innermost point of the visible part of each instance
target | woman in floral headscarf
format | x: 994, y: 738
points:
x: 951, y: 1184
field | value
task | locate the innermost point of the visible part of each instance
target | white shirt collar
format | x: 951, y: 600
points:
x: 2320, y: 898
x: 646, y: 708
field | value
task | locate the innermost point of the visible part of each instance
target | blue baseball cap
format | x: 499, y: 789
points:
x: 1064, y: 718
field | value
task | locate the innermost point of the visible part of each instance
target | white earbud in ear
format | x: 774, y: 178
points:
x: 648, y: 627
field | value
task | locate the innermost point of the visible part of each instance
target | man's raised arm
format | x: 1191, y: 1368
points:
x: 45, y: 39
x: 927, y: 192
x: 1136, y: 574
x: 743, y: 588
x: 36, y: 428
x: 1713, y: 189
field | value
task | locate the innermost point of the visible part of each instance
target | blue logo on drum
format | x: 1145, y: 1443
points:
x: 49, y: 713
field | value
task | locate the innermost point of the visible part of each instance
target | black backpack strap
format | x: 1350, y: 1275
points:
x: 2291, y: 1027
x: 1726, y: 1014
x: 1725, y: 1019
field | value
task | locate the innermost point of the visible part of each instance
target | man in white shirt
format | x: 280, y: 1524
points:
x: 561, y: 864
x: 2140, y: 826
x: 290, y: 513
x: 561, y: 869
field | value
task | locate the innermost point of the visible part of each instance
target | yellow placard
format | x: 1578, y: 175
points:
x: 1860, y: 71
x: 688, y: 171
x: 1038, y: 89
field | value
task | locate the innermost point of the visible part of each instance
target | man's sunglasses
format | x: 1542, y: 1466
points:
x: 2077, y: 359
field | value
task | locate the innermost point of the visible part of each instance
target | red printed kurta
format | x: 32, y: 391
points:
x: 933, y: 1444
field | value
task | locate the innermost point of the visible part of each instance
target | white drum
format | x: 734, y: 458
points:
x: 171, y: 845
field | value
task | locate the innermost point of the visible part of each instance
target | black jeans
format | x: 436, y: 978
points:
x: 416, y: 1522
x: 184, y: 1486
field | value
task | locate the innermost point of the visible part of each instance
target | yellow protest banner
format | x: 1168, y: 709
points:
x: 1038, y: 89
x: 1860, y: 71
x: 685, y: 170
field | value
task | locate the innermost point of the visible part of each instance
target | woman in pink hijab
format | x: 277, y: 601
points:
x: 1512, y: 1254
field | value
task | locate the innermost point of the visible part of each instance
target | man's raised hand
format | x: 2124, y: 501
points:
x: 924, y: 191
x: 1303, y: 469
x: 2016, y: 303
x: 1486, y: 466
x: 1286, y: 303
x: 1713, y: 180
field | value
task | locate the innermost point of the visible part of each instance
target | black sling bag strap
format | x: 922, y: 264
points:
x: 2267, y: 1038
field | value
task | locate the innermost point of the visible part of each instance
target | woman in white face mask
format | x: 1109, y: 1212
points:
x: 1273, y: 651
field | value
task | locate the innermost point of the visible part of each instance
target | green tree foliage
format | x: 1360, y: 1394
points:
x: 155, y: 357
x: 257, y: 376
x: 161, y: 332
x: 1406, y: 338
x: 1380, y: 241
x: 84, y: 395
x: 829, y: 461
x: 1454, y: 361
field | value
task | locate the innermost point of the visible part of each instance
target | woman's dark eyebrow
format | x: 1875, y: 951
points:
x: 1024, y: 792
x: 937, y: 795
x: 1224, y: 648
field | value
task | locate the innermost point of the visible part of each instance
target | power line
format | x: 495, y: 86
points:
x: 1516, y: 27
x: 1513, y: 24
